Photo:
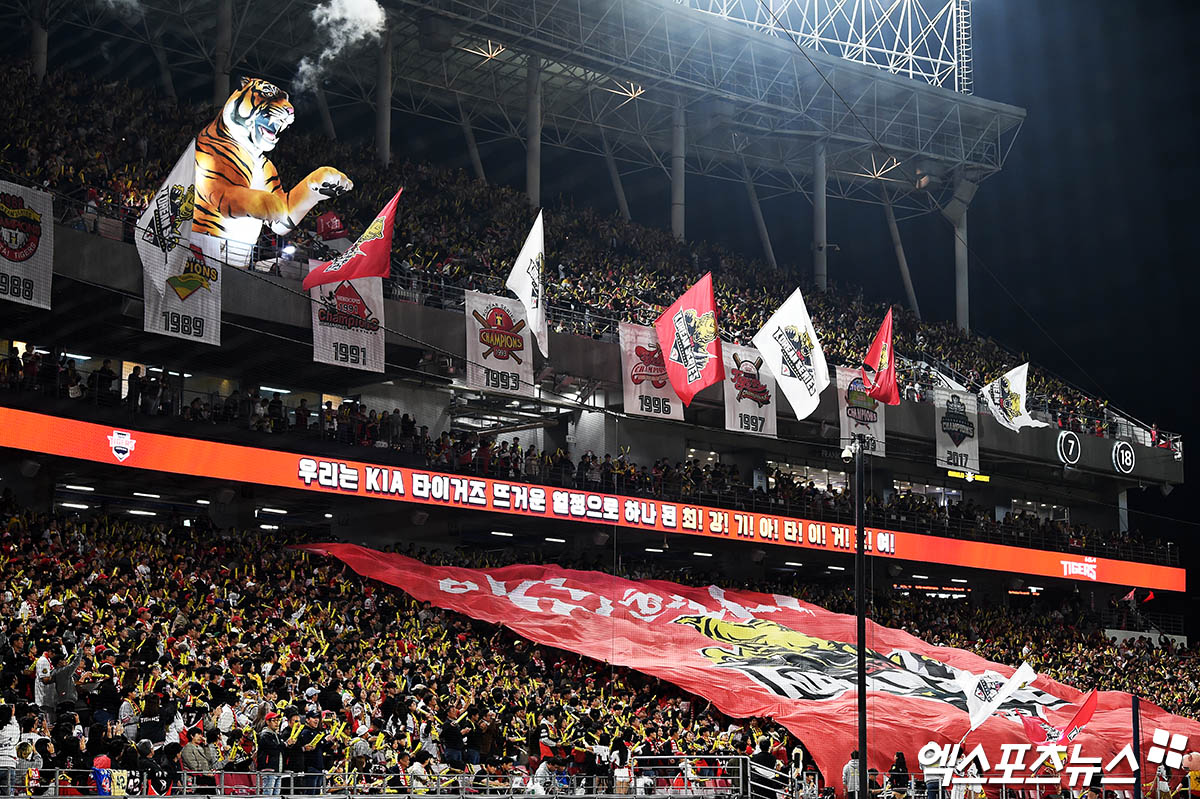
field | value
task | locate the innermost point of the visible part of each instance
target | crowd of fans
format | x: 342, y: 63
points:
x: 465, y: 451
x: 180, y: 654
x: 106, y: 146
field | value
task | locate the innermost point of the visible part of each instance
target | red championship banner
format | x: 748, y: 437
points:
x: 755, y: 654
x: 125, y: 446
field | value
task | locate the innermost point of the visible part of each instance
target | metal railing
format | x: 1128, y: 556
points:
x: 701, y: 776
x: 414, y: 285
x: 202, y: 413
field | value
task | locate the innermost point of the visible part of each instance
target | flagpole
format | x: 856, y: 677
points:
x: 860, y: 590
x: 1137, y: 744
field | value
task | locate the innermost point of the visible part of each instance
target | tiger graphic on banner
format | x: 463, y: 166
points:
x: 795, y: 665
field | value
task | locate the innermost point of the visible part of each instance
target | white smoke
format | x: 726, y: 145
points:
x: 125, y: 8
x: 340, y: 24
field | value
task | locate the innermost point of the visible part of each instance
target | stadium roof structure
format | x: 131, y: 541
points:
x: 613, y: 72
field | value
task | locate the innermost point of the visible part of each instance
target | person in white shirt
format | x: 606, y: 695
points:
x: 545, y: 779
x: 45, y: 694
x: 10, y: 735
x: 850, y: 775
x: 418, y: 776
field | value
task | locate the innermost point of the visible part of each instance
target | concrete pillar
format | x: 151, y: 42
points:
x: 956, y: 212
x: 900, y: 258
x: 164, y: 69
x: 533, y: 130
x: 326, y: 117
x: 615, y: 176
x: 472, y: 146
x: 222, y: 52
x: 39, y: 43
x: 962, y: 294
x: 678, y: 152
x: 763, y: 235
x: 383, y: 102
x: 820, y: 179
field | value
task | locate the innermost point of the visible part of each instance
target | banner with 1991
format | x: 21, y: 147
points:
x: 348, y: 323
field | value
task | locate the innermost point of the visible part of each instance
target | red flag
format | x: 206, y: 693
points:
x: 879, y: 367
x: 1149, y: 597
x: 754, y: 654
x: 687, y: 333
x: 1129, y: 597
x: 370, y: 256
x: 1040, y: 732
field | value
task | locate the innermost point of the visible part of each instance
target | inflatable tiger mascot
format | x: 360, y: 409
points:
x: 237, y: 186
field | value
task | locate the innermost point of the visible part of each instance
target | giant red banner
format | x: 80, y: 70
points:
x: 126, y: 446
x: 755, y: 654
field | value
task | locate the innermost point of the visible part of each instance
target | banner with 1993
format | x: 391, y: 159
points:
x: 499, y: 357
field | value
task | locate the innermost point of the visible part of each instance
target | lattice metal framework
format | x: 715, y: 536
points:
x: 919, y: 40
x: 612, y: 70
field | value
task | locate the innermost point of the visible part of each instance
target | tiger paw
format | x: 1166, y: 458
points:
x: 328, y: 182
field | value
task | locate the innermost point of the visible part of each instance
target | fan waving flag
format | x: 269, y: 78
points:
x: 525, y: 280
x: 1041, y: 732
x: 370, y: 256
x: 687, y: 333
x: 879, y: 367
x: 985, y: 693
x: 1007, y: 399
x: 789, y: 346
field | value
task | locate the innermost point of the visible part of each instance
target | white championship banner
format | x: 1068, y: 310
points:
x: 644, y: 382
x: 859, y: 414
x: 956, y: 429
x: 181, y: 282
x: 26, y: 245
x: 749, y: 392
x: 347, y: 323
x: 499, y: 357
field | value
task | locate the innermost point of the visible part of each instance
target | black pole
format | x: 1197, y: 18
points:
x: 1137, y: 744
x: 860, y: 612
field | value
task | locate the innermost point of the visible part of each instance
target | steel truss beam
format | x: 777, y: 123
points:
x: 612, y: 70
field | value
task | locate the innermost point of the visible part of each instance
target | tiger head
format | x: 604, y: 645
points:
x: 257, y: 113
x: 703, y: 327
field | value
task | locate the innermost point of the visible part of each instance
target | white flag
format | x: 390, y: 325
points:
x: 525, y: 280
x: 181, y: 277
x: 1008, y: 400
x: 791, y: 352
x: 985, y: 693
